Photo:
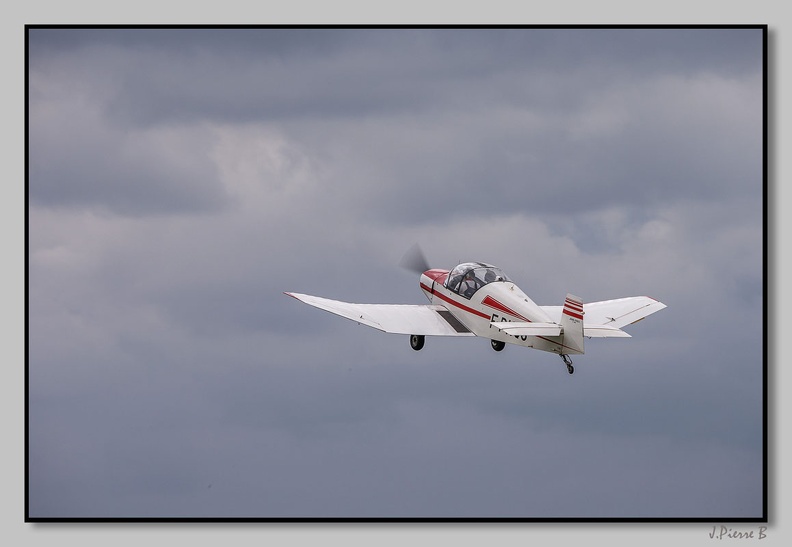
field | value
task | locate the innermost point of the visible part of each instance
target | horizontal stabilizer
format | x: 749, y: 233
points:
x: 521, y: 328
x: 604, y: 331
x: 612, y: 313
x: 622, y: 312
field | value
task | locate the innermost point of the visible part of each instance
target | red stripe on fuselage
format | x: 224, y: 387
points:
x: 454, y: 302
x: 492, y: 303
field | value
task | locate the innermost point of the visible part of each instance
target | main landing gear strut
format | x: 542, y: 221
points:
x: 568, y: 362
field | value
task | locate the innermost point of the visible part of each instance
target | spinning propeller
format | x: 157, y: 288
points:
x: 414, y: 260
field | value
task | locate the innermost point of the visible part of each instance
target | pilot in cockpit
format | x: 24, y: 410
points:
x: 489, y: 277
x: 470, y: 284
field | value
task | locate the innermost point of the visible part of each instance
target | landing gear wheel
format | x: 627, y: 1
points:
x: 570, y: 369
x: 497, y: 345
x: 568, y: 362
x: 416, y: 341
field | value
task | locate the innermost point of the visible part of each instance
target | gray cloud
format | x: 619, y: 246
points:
x: 478, y: 113
x: 180, y: 181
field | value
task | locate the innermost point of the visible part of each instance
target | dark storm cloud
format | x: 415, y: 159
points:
x: 75, y: 164
x: 364, y: 452
x: 274, y: 74
x: 480, y: 112
x: 239, y: 41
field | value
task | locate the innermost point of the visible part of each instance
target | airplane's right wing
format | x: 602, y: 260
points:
x: 428, y: 320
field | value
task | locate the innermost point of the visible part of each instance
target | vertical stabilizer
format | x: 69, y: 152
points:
x: 572, y: 322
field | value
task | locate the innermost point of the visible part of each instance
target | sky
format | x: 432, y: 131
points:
x: 181, y: 180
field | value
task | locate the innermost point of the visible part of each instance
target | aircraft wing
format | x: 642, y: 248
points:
x: 611, y: 314
x: 520, y: 328
x: 427, y: 320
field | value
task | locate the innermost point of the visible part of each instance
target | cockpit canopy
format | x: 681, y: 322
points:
x: 469, y: 277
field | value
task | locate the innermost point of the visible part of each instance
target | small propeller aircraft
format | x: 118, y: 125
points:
x: 478, y: 299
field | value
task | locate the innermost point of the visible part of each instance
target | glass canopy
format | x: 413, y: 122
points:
x: 469, y: 277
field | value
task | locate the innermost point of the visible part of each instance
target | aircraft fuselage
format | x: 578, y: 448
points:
x: 496, y: 301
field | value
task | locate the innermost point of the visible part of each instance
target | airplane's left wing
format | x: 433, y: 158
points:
x: 427, y: 320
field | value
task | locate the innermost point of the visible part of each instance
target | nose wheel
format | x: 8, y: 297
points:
x: 568, y: 362
x: 416, y: 341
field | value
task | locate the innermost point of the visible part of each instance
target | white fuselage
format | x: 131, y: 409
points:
x: 495, y: 301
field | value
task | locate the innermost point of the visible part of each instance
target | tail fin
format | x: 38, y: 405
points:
x: 572, y: 323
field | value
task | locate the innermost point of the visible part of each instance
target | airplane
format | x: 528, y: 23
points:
x: 479, y: 299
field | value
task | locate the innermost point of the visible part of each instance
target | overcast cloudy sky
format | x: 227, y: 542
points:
x: 181, y: 180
